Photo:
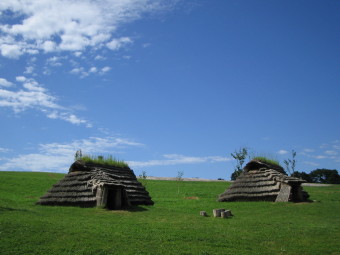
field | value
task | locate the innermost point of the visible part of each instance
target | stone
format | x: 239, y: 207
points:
x: 228, y: 213
x: 224, y: 214
x: 217, y: 212
x: 203, y: 213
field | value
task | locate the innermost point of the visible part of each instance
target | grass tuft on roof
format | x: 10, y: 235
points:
x: 109, y: 160
x: 266, y: 160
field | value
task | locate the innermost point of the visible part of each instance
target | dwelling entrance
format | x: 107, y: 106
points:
x: 116, y: 198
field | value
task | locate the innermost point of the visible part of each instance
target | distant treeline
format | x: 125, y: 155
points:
x: 319, y: 176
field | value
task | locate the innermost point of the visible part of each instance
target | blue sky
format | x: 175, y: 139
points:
x: 169, y: 86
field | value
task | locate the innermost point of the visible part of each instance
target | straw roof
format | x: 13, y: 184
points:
x: 264, y: 182
x: 81, y: 186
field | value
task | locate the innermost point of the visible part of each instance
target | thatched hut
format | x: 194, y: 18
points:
x: 91, y: 185
x: 264, y: 182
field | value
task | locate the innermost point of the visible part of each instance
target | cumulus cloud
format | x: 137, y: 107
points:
x: 10, y: 50
x: 57, y: 157
x: 69, y: 25
x: 175, y: 159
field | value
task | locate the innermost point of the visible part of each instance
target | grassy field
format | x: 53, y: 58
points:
x: 171, y: 226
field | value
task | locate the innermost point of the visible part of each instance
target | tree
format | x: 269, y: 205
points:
x: 240, y: 156
x: 290, y: 163
x: 302, y: 175
x: 325, y: 176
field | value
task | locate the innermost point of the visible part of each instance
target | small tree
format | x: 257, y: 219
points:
x: 78, y: 155
x: 290, y: 163
x: 240, y: 157
x: 179, y: 178
x: 143, y: 178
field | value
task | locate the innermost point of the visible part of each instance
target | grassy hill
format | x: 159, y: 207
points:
x: 171, y: 226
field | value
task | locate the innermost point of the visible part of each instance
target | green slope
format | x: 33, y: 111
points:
x: 171, y: 226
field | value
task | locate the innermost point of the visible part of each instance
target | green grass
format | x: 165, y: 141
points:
x: 109, y: 160
x: 267, y: 160
x: 171, y: 226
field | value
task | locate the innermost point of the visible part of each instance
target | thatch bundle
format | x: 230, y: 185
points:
x: 264, y: 182
x: 90, y: 185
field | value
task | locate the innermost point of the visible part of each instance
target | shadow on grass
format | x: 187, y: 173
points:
x: 136, y: 209
x: 9, y: 209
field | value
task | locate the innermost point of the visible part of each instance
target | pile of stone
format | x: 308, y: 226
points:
x: 218, y: 213
x: 222, y: 213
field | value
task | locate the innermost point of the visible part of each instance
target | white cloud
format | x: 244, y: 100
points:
x: 29, y: 70
x: 20, y: 78
x: 49, y: 46
x: 78, y: 53
x: 282, y: 152
x: 175, y: 159
x: 311, y: 163
x: 69, y: 117
x: 32, y: 95
x: 5, y: 83
x: 93, y: 69
x: 58, y: 156
x: 55, y: 61
x: 3, y: 150
x: 146, y: 45
x: 116, y: 44
x: 319, y: 157
x: 331, y: 153
x: 72, y: 25
x: 10, y: 51
x: 105, y: 69
x: 99, y: 57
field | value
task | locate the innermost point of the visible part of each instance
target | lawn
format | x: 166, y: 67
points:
x: 172, y: 226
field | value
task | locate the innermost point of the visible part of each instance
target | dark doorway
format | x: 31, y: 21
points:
x: 296, y: 194
x: 116, y: 199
